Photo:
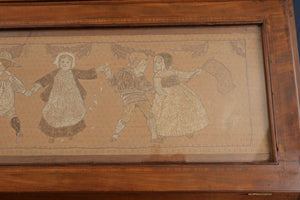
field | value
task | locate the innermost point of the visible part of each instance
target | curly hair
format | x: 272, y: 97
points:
x: 125, y: 80
x: 135, y: 58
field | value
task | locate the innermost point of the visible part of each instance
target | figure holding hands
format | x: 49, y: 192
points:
x: 9, y: 85
x: 132, y: 85
x: 177, y: 109
x: 64, y: 112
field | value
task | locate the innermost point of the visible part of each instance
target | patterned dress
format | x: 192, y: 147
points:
x: 181, y: 111
x: 64, y: 112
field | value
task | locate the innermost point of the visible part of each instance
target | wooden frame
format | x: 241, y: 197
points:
x: 283, y: 94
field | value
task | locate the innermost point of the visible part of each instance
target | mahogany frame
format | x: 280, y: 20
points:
x: 282, y: 78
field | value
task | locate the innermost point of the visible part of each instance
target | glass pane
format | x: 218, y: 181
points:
x: 190, y: 94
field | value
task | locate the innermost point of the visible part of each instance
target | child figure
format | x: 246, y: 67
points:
x: 177, y: 109
x: 132, y: 85
x: 64, y: 112
x: 9, y: 84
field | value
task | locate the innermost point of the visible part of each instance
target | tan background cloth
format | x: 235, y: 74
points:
x: 238, y: 127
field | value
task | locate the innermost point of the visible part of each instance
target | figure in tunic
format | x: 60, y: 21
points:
x: 132, y: 85
x: 64, y: 111
x: 176, y: 108
x: 9, y: 85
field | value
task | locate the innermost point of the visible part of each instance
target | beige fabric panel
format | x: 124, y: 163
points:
x: 222, y: 110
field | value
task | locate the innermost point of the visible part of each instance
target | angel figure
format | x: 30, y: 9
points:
x: 176, y: 108
x: 9, y: 85
x: 64, y: 111
x: 132, y: 85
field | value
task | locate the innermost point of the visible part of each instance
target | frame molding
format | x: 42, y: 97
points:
x: 283, y: 95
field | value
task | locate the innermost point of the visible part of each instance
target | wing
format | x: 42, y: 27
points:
x: 16, y: 51
x: 148, y: 52
x: 121, y: 51
x: 54, y: 50
x: 81, y: 50
x: 197, y: 50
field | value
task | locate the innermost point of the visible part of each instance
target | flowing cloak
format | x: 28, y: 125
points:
x: 64, y: 112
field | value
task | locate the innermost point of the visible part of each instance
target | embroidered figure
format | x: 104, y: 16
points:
x: 132, y: 85
x: 9, y: 85
x: 64, y: 111
x: 176, y: 108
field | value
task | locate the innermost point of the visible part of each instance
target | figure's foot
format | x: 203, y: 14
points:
x: 51, y: 140
x: 19, y: 137
x: 114, y: 138
x: 159, y: 140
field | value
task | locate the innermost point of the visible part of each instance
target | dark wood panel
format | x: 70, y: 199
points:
x: 150, y: 196
x: 152, y: 178
x: 110, y: 14
x: 112, y: 1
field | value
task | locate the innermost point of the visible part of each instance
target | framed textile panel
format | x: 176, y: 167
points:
x: 137, y: 95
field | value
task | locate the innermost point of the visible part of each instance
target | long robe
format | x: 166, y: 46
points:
x: 64, y: 112
x: 181, y: 111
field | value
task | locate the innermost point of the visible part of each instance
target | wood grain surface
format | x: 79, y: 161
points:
x: 150, y: 196
x: 283, y: 76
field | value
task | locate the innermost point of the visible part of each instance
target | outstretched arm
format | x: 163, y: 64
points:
x: 188, y: 75
x: 86, y: 74
x: 91, y: 73
x: 17, y: 85
x: 46, y: 80
x: 43, y: 82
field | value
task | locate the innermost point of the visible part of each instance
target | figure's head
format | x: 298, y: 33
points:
x: 138, y: 61
x: 4, y: 64
x: 162, y: 62
x: 6, y: 60
x: 140, y: 68
x: 65, y: 61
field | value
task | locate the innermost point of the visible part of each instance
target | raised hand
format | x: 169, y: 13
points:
x: 108, y: 73
x: 28, y: 93
x: 101, y: 68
